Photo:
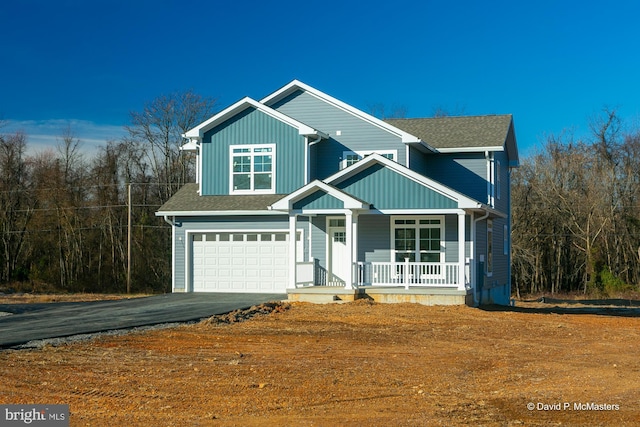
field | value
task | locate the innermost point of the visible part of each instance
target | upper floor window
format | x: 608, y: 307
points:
x: 351, y: 157
x: 498, y: 180
x: 252, y: 168
x: 489, y: 264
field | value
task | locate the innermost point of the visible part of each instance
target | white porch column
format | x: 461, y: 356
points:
x: 292, y: 252
x: 350, y: 248
x: 354, y: 252
x: 461, y: 251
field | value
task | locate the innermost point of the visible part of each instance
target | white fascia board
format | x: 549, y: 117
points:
x: 192, y: 145
x: 470, y: 149
x: 419, y: 211
x: 243, y: 104
x: 296, y: 84
x: 464, y: 202
x: 286, y: 203
x: 216, y: 213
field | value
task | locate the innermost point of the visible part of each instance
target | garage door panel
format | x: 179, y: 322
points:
x: 240, y: 262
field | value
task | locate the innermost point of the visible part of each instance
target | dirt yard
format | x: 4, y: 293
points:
x: 349, y: 364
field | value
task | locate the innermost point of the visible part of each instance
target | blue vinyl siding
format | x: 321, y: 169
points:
x: 386, y: 189
x: 466, y: 173
x: 502, y: 202
x: 374, y: 238
x: 355, y: 134
x: 319, y: 200
x: 252, y: 127
x: 319, y: 239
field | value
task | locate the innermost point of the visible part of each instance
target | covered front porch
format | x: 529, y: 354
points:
x: 378, y: 228
x: 384, y: 274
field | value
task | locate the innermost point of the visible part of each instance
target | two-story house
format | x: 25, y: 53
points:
x: 301, y: 193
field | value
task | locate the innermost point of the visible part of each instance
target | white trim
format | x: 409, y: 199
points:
x: 498, y: 186
x: 243, y: 104
x: 464, y: 202
x: 470, y: 149
x: 462, y: 283
x: 489, y: 253
x: 217, y: 213
x: 297, y: 85
x: 417, y: 225
x: 417, y: 211
x: 188, y: 247
x: 286, y: 203
x: 173, y: 259
x: 505, y: 239
x: 252, y: 154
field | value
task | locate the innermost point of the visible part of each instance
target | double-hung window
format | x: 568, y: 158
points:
x: 253, y: 168
x: 418, y: 239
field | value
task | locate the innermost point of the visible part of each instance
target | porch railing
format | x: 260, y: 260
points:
x: 407, y: 274
x: 385, y: 274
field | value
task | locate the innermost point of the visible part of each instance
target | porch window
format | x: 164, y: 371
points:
x: 351, y: 157
x: 418, y: 239
x: 252, y: 168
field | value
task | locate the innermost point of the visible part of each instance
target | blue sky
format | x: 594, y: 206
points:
x: 552, y: 64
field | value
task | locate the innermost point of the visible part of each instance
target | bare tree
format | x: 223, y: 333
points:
x: 157, y: 133
x: 16, y: 205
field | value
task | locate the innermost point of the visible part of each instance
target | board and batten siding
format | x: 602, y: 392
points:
x: 386, y: 189
x: 319, y: 200
x: 252, y: 127
x: 355, y: 134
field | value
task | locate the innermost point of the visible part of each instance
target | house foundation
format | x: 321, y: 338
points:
x: 392, y: 295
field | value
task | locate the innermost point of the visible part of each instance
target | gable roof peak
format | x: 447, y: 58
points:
x: 246, y: 102
x: 297, y: 85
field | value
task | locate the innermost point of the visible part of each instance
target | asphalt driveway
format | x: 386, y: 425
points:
x: 21, y: 323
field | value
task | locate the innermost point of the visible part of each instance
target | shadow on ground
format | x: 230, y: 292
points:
x: 546, y: 305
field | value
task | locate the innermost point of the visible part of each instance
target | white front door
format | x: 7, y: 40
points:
x: 338, y: 256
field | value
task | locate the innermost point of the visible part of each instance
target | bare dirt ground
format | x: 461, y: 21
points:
x: 349, y: 364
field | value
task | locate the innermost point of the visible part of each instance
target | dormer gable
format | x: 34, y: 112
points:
x: 198, y: 132
x: 297, y: 86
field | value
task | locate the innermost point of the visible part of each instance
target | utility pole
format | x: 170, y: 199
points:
x: 129, y: 239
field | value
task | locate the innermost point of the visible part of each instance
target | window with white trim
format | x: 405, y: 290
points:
x: 505, y: 240
x: 498, y: 180
x: 489, y: 265
x: 351, y: 157
x: 252, y: 168
x: 418, y: 239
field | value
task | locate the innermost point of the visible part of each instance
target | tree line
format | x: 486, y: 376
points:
x: 64, y: 216
x: 576, y: 212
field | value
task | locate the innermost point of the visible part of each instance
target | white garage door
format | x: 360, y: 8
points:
x: 240, y: 262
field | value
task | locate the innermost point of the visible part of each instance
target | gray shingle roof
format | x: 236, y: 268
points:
x: 458, y: 132
x: 188, y: 199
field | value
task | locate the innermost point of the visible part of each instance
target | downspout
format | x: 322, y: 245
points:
x: 476, y: 302
x: 171, y: 222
